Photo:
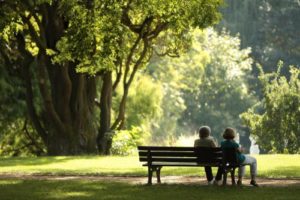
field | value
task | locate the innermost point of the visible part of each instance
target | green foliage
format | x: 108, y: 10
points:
x: 223, y: 93
x: 176, y: 75
x: 207, y: 85
x: 277, y: 128
x: 143, y: 107
x: 65, y: 38
x: 19, y: 140
x: 144, y: 102
x: 97, y: 36
x: 125, y: 142
x: 269, y: 27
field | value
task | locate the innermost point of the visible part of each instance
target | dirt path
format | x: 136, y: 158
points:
x: 270, y: 182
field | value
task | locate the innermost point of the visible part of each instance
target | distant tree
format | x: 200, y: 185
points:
x: 269, y: 27
x: 206, y: 86
x: 66, y: 48
x: 277, y: 128
x: 223, y: 91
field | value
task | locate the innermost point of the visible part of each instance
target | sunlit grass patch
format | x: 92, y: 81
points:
x: 276, y: 166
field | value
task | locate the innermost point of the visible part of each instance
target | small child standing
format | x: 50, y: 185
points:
x: 205, y: 140
x: 229, y: 135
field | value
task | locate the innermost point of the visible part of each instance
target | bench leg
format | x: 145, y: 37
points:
x: 150, y: 173
x: 233, y: 176
x: 225, y: 177
x: 158, y: 174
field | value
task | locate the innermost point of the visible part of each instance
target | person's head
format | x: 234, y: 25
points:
x: 204, y: 131
x: 229, y: 134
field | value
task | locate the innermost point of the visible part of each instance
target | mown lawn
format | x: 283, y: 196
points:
x: 87, y: 189
x: 272, y: 166
x: 277, y: 166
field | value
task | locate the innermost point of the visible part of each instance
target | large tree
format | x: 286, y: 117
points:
x: 77, y: 51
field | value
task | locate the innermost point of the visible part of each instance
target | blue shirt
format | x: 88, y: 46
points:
x: 232, y: 144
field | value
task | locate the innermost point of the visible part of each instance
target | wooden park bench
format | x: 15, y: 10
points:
x: 155, y: 157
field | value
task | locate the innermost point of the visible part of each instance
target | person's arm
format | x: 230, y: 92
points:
x: 213, y: 143
x: 239, y: 149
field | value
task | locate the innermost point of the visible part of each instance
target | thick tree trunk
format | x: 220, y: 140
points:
x: 67, y: 97
x: 68, y: 116
x: 104, y: 139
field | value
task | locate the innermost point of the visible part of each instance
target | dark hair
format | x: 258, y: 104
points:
x: 204, y: 131
x: 229, y: 134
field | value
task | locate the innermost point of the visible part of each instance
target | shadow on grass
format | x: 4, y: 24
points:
x: 82, y: 189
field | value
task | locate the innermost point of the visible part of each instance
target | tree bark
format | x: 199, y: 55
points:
x: 66, y: 121
x: 104, y: 139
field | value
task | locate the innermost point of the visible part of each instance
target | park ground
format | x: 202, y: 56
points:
x: 94, y: 177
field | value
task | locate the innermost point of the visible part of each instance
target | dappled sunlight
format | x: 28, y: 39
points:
x: 67, y: 195
x: 106, y: 190
x: 72, y: 165
x: 10, y: 182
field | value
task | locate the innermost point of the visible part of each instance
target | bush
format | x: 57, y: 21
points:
x: 125, y: 142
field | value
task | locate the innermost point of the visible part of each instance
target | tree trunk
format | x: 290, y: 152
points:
x: 104, y: 139
x: 67, y: 98
x: 68, y: 115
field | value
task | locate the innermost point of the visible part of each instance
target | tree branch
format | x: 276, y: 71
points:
x: 158, y: 29
x: 30, y: 105
x: 129, y: 57
x: 138, y: 63
x: 118, y: 77
x: 32, y: 140
x: 48, y: 102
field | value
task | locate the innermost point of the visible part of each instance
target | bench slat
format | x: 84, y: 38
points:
x: 158, y: 148
x: 162, y: 148
x: 158, y: 159
x: 181, y: 154
x: 161, y: 164
x: 168, y: 154
x: 195, y: 160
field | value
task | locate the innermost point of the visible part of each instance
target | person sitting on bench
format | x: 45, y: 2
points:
x: 205, y: 140
x: 229, y: 135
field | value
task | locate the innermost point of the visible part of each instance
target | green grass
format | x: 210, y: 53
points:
x: 275, y: 166
x: 268, y: 165
x: 84, y: 190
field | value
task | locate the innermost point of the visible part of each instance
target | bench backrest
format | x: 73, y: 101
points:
x: 196, y: 155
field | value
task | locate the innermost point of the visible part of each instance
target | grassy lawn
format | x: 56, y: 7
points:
x: 273, y: 166
x: 81, y: 189
x: 277, y: 166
